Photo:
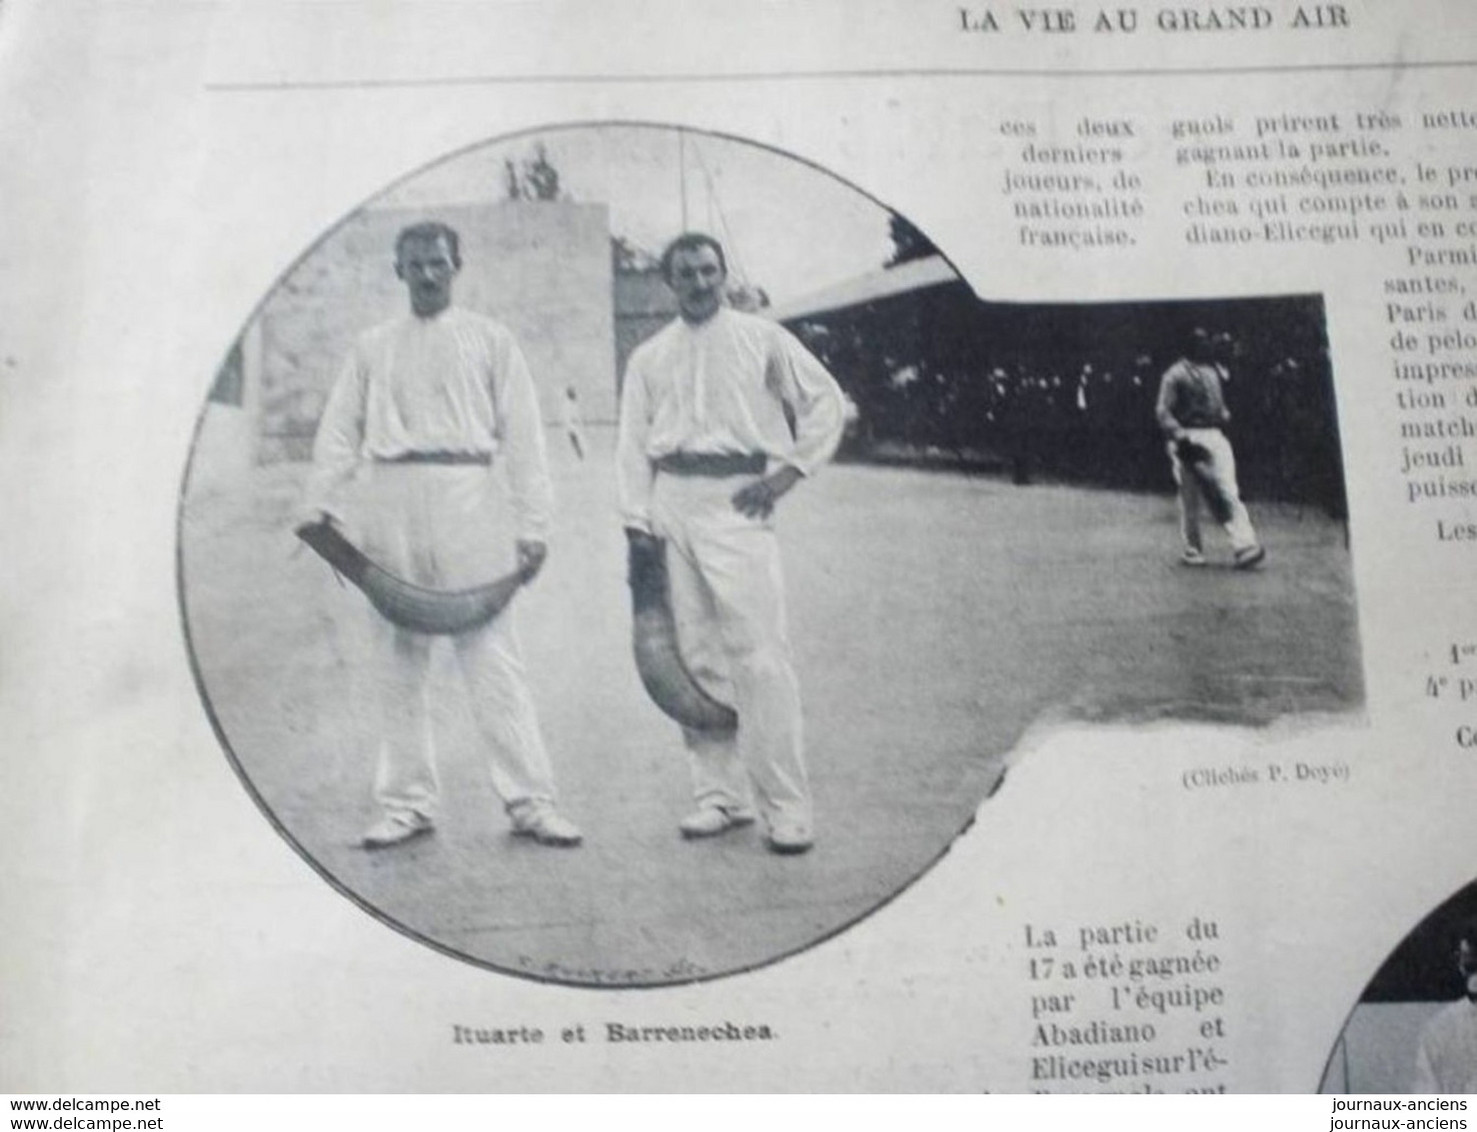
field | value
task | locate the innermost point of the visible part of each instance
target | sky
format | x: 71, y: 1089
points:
x: 787, y: 226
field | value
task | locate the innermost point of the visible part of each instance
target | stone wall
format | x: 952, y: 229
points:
x: 643, y: 305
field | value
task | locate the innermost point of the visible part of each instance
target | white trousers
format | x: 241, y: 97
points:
x: 1222, y: 469
x: 439, y: 526
x: 728, y: 601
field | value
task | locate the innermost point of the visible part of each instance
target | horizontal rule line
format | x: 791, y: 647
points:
x: 875, y: 73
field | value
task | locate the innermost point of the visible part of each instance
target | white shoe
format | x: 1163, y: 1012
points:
x: 790, y: 837
x: 395, y: 828
x: 547, y: 826
x: 711, y: 819
x: 1191, y: 557
x: 1251, y: 557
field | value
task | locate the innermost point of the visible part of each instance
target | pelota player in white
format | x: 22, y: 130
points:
x: 421, y: 406
x: 722, y: 414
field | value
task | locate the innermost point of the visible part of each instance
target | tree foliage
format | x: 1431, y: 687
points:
x: 908, y: 243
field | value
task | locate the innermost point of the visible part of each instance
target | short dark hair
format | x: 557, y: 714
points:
x: 1206, y: 341
x: 691, y: 242
x: 431, y: 231
x: 1211, y: 334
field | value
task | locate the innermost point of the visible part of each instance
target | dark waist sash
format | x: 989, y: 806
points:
x: 483, y: 458
x: 712, y: 463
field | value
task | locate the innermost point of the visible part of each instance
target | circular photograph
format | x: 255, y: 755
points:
x: 621, y: 555
x: 1414, y: 1029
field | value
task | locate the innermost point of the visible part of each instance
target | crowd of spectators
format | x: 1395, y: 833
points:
x: 1067, y: 393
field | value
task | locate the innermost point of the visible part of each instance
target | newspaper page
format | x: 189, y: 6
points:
x: 992, y: 612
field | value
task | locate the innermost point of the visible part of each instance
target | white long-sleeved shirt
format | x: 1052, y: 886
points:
x: 1191, y: 396
x: 1446, y: 1061
x: 722, y: 387
x: 452, y: 383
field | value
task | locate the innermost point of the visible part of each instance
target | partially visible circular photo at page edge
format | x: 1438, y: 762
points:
x: 1414, y: 1028
x: 618, y: 612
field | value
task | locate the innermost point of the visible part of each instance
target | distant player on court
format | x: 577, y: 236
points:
x: 1192, y: 414
x: 573, y: 421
